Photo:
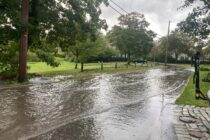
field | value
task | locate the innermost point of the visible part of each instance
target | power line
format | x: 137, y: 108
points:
x: 115, y: 10
x: 124, y: 11
x: 119, y: 6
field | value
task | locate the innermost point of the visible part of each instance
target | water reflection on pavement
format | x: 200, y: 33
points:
x: 137, y: 105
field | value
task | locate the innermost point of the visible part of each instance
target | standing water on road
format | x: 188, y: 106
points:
x: 134, y: 106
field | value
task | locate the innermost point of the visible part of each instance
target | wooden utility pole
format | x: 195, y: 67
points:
x: 23, y: 41
x: 167, y: 46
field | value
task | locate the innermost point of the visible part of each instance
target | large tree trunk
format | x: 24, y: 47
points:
x: 24, y: 41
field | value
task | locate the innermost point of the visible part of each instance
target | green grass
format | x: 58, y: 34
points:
x: 188, y: 95
x: 43, y: 68
x: 184, y: 65
x: 67, y: 68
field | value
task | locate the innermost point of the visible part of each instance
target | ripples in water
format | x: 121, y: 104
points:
x: 96, y: 108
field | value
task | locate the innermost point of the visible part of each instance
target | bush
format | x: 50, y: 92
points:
x: 60, y: 55
x: 9, y: 60
x: 204, y: 69
x: 32, y: 57
x: 47, y: 57
x: 207, y: 78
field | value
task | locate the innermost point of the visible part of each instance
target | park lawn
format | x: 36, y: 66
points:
x: 188, y: 95
x: 68, y: 68
x: 43, y: 68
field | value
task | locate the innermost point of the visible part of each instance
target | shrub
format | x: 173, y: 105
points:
x: 204, y: 69
x: 207, y: 78
x: 32, y: 57
x: 9, y: 60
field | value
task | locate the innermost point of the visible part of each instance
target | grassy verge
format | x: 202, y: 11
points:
x: 184, y: 65
x: 188, y: 95
x: 90, y: 69
x: 68, y: 68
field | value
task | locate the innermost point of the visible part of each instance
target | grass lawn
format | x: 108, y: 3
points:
x: 184, y: 65
x: 67, y: 68
x: 188, y: 95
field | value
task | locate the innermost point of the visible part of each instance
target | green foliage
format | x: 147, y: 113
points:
x: 196, y: 26
x: 32, y: 57
x: 189, y: 2
x: 51, y: 23
x: 206, y: 51
x: 108, y: 52
x: 197, y: 23
x: 83, y: 50
x: 45, y: 52
x: 115, y: 37
x: 9, y: 59
x: 132, y: 37
x: 177, y: 43
x: 206, y: 78
x: 204, y: 69
x: 48, y: 58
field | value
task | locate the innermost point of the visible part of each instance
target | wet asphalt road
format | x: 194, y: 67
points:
x: 129, y: 106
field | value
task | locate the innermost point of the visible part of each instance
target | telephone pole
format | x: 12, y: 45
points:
x: 167, y: 46
x: 23, y: 41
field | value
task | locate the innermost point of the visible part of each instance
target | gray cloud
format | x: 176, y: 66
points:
x: 157, y: 12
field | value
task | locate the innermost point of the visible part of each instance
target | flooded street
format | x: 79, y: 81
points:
x: 129, y: 106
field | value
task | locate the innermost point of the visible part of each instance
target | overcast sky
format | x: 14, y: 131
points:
x: 157, y: 12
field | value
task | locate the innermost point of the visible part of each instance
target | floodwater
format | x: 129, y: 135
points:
x: 129, y: 106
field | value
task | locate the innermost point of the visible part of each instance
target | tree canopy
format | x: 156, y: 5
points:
x: 132, y: 37
x: 47, y: 17
x: 198, y: 22
x: 51, y: 23
x: 189, y: 2
x: 178, y: 43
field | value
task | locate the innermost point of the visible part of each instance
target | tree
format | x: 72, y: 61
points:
x: 49, y: 21
x: 9, y: 59
x: 115, y: 37
x: 196, y: 24
x: 132, y: 37
x: 83, y: 50
x: 23, y: 41
x: 206, y: 50
x: 178, y: 43
x: 107, y: 54
x: 189, y: 2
